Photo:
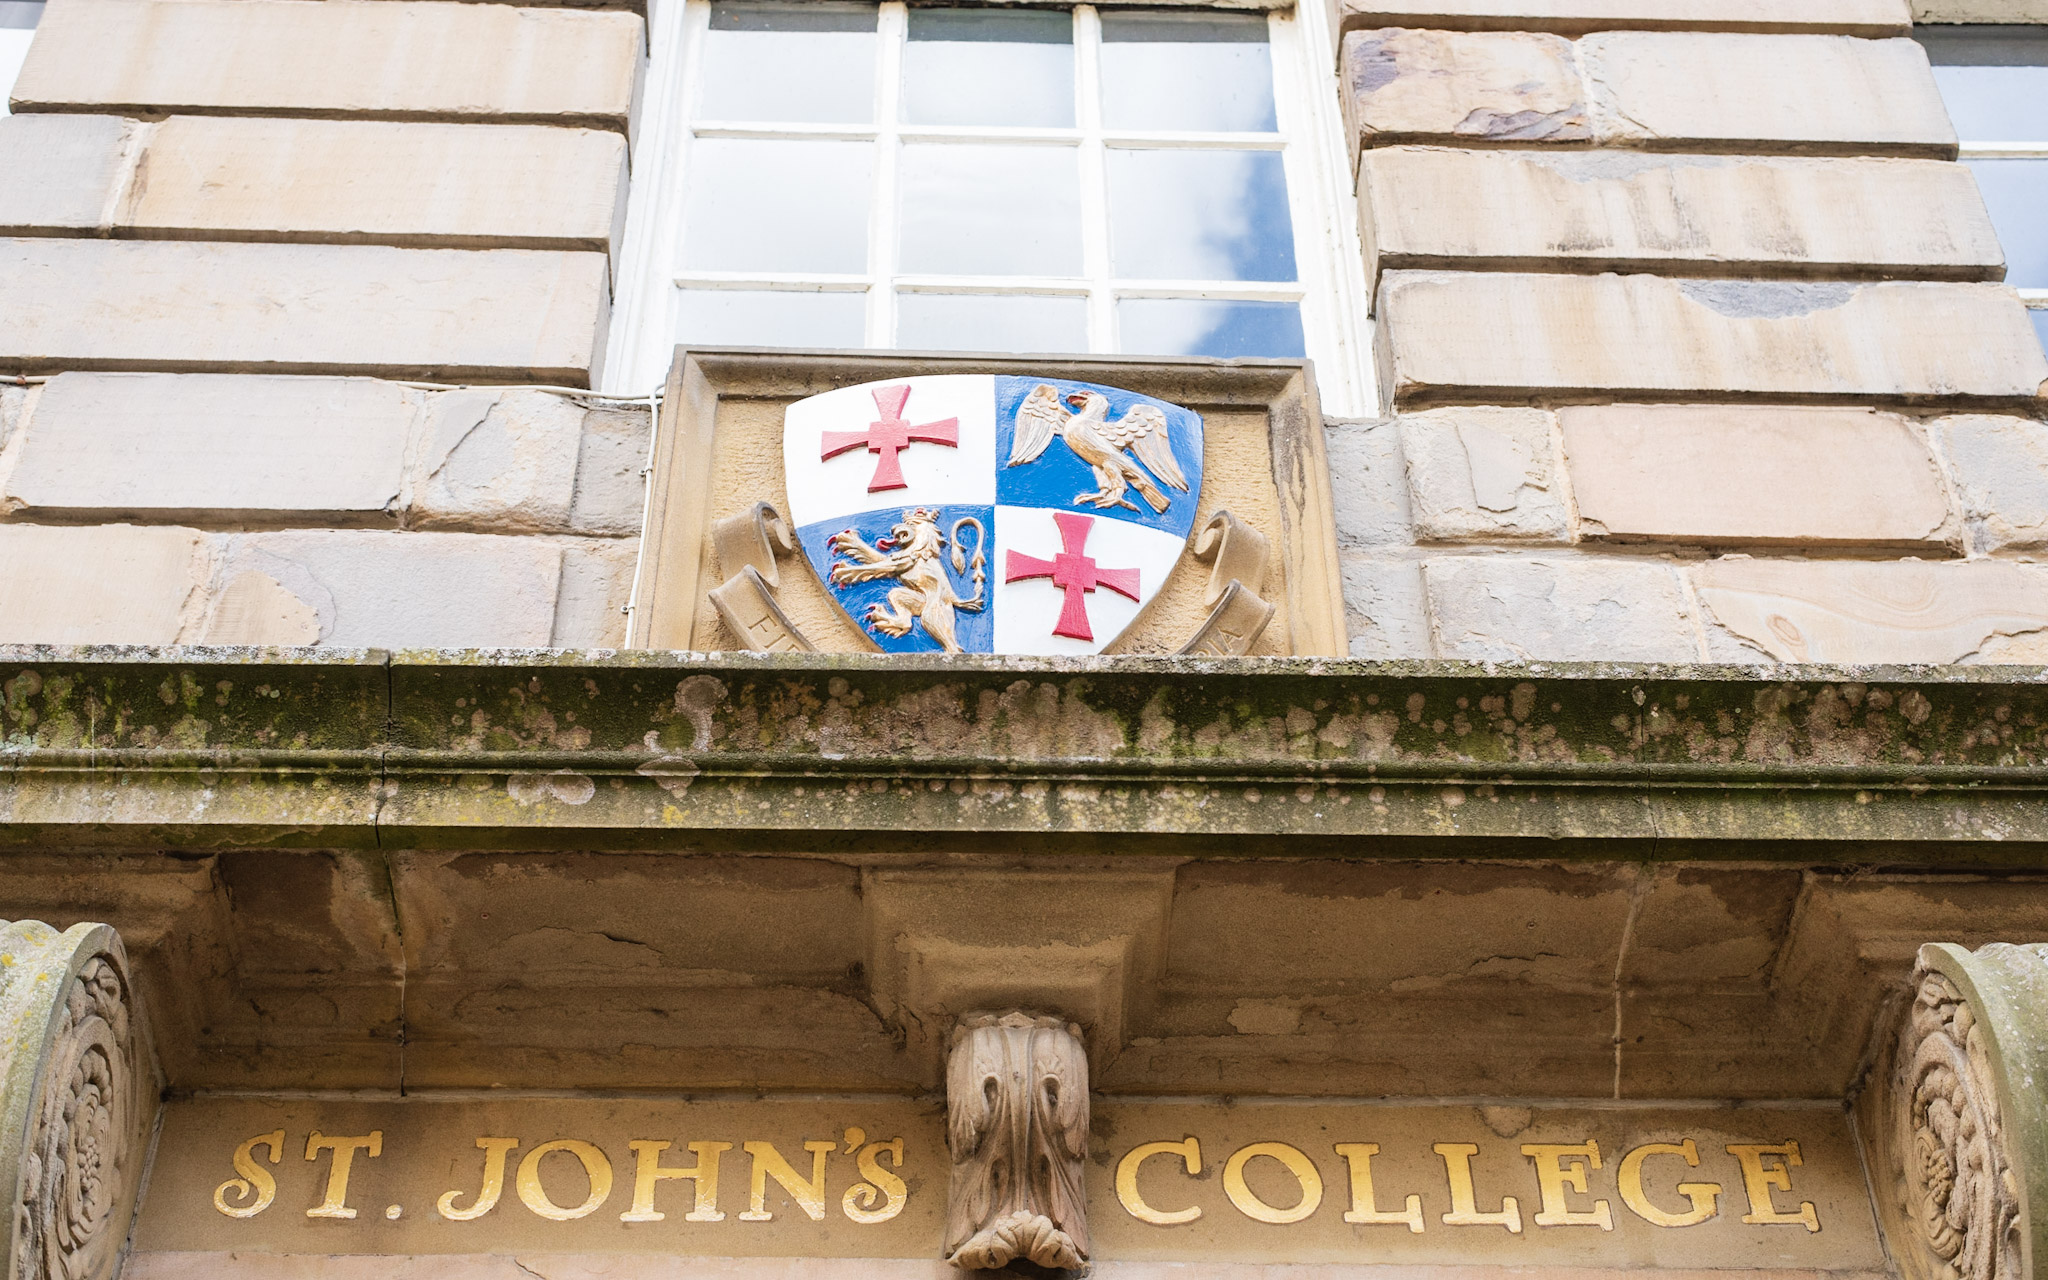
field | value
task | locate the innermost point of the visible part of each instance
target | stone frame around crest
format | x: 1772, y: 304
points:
x: 703, y: 471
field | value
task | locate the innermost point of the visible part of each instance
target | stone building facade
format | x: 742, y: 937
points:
x: 1634, y: 867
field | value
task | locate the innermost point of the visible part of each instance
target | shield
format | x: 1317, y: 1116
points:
x: 974, y: 513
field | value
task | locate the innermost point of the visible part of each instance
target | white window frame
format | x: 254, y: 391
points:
x: 2035, y: 299
x: 1329, y: 260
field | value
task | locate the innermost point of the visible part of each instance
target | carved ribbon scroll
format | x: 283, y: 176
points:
x: 747, y: 545
x: 1236, y: 555
x: 79, y: 1097
x: 1017, y: 1125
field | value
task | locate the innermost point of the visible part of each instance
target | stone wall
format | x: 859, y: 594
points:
x: 1691, y: 343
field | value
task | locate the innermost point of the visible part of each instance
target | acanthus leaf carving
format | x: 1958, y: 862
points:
x: 1017, y: 1127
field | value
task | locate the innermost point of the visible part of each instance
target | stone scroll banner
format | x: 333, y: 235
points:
x: 1780, y: 1190
x: 77, y: 1101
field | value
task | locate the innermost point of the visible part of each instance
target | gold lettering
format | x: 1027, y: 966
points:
x: 495, y: 1150
x: 768, y: 1162
x: 1464, y: 1200
x: 648, y: 1171
x: 1364, y: 1206
x: 596, y: 1166
x: 1248, y: 1202
x: 255, y: 1184
x: 1555, y: 1178
x: 1134, y: 1204
x: 1759, y: 1181
x: 881, y: 1188
x: 344, y: 1149
x: 1702, y: 1194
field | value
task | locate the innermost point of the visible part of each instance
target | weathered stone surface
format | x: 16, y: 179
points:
x: 611, y: 492
x: 14, y: 402
x: 1856, y: 612
x: 434, y: 313
x: 1490, y: 337
x: 1384, y: 612
x: 369, y: 181
x: 1980, y: 10
x: 1478, y: 473
x: 402, y: 590
x: 76, y: 161
x: 503, y: 461
x: 101, y: 584
x: 1492, y: 87
x: 1368, y: 484
x: 1767, y: 475
x: 227, y: 447
x: 597, y: 581
x: 2000, y: 466
x: 1845, y: 17
x: 1624, y: 210
x: 1567, y: 609
x: 1744, y: 90
x: 356, y: 58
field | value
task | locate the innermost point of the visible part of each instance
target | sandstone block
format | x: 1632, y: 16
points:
x: 2000, y: 467
x: 2028, y: 11
x: 391, y: 590
x: 1903, y: 611
x: 336, y: 58
x: 498, y: 460
x: 1754, y: 90
x: 445, y: 314
x: 1384, y: 609
x: 1483, y: 86
x: 372, y: 181
x: 1509, y: 210
x: 610, y: 491
x: 104, y: 584
x: 13, y: 404
x: 1844, y: 17
x: 1494, y: 337
x: 1576, y: 609
x: 597, y: 581
x: 1368, y: 484
x: 1766, y: 475
x: 75, y: 160
x: 114, y: 445
x: 1478, y: 474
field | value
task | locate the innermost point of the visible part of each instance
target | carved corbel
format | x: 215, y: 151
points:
x: 1236, y: 555
x: 747, y: 546
x: 1958, y: 1122
x: 1017, y: 1126
x: 77, y: 1101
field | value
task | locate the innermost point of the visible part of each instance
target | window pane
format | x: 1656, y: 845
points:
x: 1200, y: 215
x: 1167, y: 71
x: 811, y: 62
x: 2017, y: 193
x: 983, y: 66
x: 2041, y: 326
x: 769, y: 318
x: 1996, y: 104
x: 777, y: 206
x: 990, y: 322
x: 990, y: 210
x: 1200, y: 327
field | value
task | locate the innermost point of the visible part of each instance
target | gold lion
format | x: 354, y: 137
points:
x: 914, y: 552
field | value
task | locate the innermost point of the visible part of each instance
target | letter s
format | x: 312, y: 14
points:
x: 255, y: 1184
x: 887, y: 1189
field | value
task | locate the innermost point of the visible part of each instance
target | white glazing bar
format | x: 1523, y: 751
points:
x: 2035, y: 298
x: 1067, y: 285
x: 1094, y: 179
x: 807, y: 132
x: 2005, y: 151
x: 1329, y: 256
x: 785, y: 281
x: 1233, y: 290
x: 893, y: 25
x: 643, y: 328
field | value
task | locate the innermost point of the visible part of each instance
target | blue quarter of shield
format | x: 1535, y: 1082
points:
x: 900, y: 535
x: 1058, y: 475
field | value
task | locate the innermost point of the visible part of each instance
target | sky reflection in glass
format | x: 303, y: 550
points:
x: 769, y: 318
x: 971, y: 209
x: 776, y: 205
x: 2016, y: 192
x: 1174, y: 71
x: 778, y: 62
x: 991, y: 322
x: 1200, y: 215
x: 1206, y: 327
x: 989, y: 66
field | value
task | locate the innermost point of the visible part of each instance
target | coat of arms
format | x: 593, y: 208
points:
x: 967, y: 513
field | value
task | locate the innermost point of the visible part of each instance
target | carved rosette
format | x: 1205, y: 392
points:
x: 1961, y: 1151
x: 1017, y: 1125
x: 77, y: 1100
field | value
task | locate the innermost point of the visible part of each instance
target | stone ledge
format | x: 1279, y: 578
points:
x: 1577, y: 17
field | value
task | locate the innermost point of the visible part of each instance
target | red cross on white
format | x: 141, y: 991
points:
x: 1074, y: 572
x: 890, y: 436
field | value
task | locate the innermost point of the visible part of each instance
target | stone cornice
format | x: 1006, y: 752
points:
x: 201, y: 748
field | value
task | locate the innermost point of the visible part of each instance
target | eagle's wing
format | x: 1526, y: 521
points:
x: 1039, y: 419
x: 1144, y: 432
